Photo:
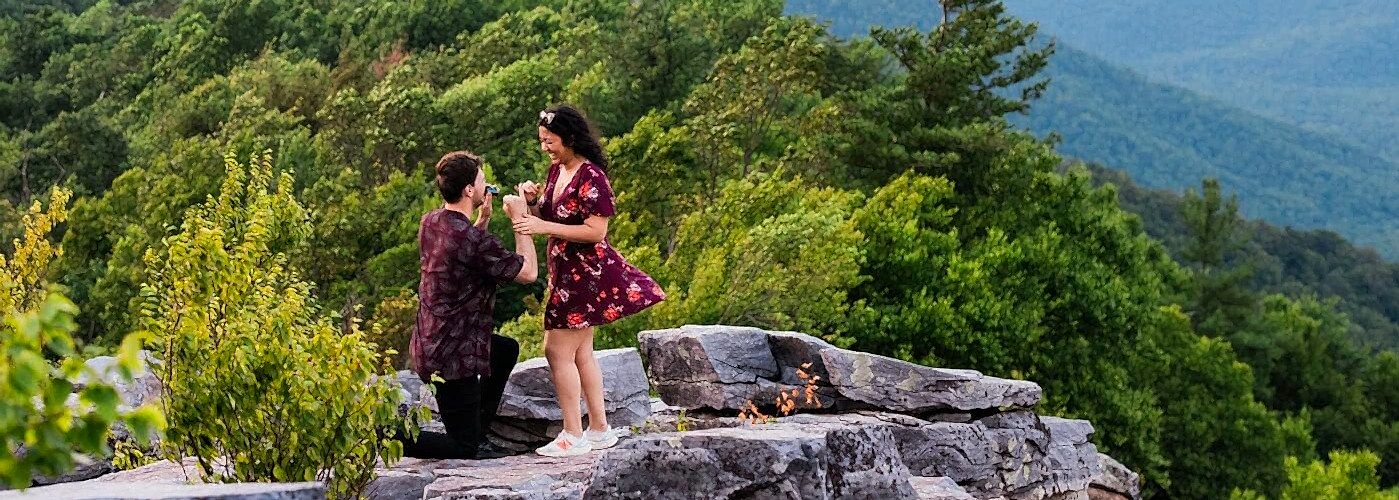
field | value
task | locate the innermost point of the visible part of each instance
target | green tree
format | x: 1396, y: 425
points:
x: 82, y: 148
x: 1348, y: 476
x: 961, y: 70
x: 749, y: 96
x: 767, y: 252
x: 1221, y: 303
x: 1216, y: 436
x: 493, y: 114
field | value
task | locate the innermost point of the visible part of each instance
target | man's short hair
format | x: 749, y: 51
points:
x: 456, y: 171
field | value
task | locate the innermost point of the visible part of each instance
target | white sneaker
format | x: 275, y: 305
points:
x: 566, y: 445
x: 601, y: 440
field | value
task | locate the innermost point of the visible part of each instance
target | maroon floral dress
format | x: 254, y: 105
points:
x: 590, y: 284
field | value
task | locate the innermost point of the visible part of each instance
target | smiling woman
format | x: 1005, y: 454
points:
x: 589, y: 284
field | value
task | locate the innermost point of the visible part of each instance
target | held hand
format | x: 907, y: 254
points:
x: 514, y: 206
x: 531, y: 225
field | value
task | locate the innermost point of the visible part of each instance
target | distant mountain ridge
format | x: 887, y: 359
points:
x: 1170, y: 137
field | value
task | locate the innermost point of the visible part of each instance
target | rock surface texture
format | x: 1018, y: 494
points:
x: 873, y: 427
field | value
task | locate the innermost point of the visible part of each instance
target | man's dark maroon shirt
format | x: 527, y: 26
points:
x: 461, y: 266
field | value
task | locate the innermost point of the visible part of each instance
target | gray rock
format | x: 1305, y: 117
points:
x: 835, y: 460
x: 519, y: 477
x: 1015, y: 455
x: 939, y: 488
x: 398, y: 485
x: 962, y: 452
x: 726, y: 368
x: 1068, y: 431
x: 904, y: 387
x: 1113, y: 477
x: 713, y: 367
x: 1073, y: 459
x: 864, y: 463
x: 709, y: 354
x: 144, y: 387
x: 414, y: 392
x: 529, y: 413
x: 89, y: 490
x: 84, y: 468
x: 164, y: 472
x: 530, y: 392
x: 410, y: 391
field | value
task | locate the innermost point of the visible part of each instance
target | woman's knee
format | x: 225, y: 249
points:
x: 557, y: 352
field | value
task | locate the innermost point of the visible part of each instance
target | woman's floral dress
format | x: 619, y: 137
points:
x: 590, y: 284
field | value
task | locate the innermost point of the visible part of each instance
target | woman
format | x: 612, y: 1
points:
x: 589, y: 285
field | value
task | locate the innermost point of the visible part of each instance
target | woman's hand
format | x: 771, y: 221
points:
x: 529, y: 191
x: 531, y: 225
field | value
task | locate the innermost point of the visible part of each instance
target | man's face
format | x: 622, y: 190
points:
x: 478, y: 188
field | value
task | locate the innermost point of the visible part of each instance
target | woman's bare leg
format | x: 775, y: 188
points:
x: 590, y: 376
x: 560, y: 349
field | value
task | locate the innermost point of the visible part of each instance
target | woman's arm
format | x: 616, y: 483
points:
x: 592, y: 230
x: 524, y: 244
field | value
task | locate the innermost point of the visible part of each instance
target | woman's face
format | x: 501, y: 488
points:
x: 552, y: 145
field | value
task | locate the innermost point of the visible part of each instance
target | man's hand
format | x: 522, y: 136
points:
x: 484, y: 211
x: 515, y: 207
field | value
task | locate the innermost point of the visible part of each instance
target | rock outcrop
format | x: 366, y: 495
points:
x: 724, y: 368
x: 167, y: 481
x: 878, y: 428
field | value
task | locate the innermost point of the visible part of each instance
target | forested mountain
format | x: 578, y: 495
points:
x: 1293, y: 262
x: 768, y: 174
x: 1325, y: 66
x: 1169, y: 137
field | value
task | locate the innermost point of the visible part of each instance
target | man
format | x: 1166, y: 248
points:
x: 461, y: 265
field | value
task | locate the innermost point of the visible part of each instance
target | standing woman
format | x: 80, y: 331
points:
x: 590, y: 284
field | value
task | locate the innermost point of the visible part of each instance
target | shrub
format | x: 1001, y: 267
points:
x: 259, y: 385
x: 41, y: 427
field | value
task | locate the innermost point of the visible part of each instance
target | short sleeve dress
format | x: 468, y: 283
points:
x: 590, y: 284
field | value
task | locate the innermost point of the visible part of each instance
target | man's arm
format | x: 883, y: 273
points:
x: 524, y: 244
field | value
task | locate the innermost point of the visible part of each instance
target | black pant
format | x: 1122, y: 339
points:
x: 467, y: 407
